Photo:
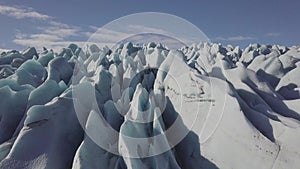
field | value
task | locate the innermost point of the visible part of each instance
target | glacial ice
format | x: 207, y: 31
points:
x: 145, y: 106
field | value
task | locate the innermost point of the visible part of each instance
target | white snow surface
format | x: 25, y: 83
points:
x: 202, y: 106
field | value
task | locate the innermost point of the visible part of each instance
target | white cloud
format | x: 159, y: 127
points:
x: 46, y: 37
x: 128, y: 33
x: 51, y: 34
x: 171, y: 43
x: 50, y: 38
x: 59, y: 24
x: 22, y: 12
x: 273, y: 34
x: 94, y: 28
x: 4, y: 50
x: 61, y: 32
x: 235, y: 38
x: 55, y: 34
x: 59, y: 29
x: 113, y: 36
x: 42, y: 40
x: 145, y: 29
x: 106, y: 35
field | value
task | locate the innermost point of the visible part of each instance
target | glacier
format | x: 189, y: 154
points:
x: 150, y: 107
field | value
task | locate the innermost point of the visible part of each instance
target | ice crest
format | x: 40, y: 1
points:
x: 145, y: 106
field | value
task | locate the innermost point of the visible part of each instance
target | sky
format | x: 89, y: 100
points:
x: 57, y: 23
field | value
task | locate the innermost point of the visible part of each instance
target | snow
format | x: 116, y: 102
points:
x: 146, y: 106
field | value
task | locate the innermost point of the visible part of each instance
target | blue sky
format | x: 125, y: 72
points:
x: 55, y: 23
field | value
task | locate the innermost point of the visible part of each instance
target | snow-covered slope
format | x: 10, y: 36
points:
x: 146, y: 107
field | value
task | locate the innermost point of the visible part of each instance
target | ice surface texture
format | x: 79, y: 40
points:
x: 148, y: 107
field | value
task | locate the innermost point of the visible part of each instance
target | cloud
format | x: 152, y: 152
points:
x: 94, y: 28
x: 53, y: 38
x: 145, y: 29
x: 166, y: 34
x: 145, y: 34
x: 51, y: 34
x: 50, y: 41
x: 140, y: 39
x: 235, y: 38
x: 61, y: 32
x: 42, y: 36
x: 22, y: 12
x: 59, y: 29
x: 56, y: 35
x: 4, y: 50
x: 273, y: 34
x: 106, y: 35
x: 39, y: 43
